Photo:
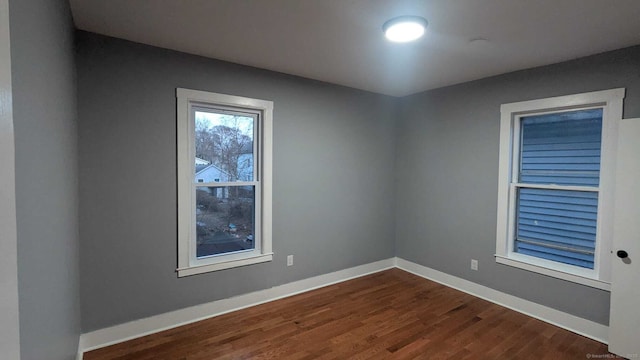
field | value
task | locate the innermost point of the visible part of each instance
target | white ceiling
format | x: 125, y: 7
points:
x: 341, y: 41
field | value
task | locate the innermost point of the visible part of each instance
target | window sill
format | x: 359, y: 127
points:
x: 559, y: 274
x: 200, y: 269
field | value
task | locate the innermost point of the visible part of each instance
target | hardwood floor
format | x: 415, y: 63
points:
x: 387, y: 315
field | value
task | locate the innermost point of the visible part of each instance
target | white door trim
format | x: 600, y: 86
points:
x: 9, y: 315
x: 625, y: 284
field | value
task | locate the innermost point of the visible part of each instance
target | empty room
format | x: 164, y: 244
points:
x: 309, y: 179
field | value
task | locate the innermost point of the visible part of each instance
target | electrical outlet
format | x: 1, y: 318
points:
x: 474, y: 264
x: 289, y: 260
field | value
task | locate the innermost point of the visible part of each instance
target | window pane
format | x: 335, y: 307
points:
x: 223, y: 146
x: 225, y: 220
x: 557, y: 225
x: 562, y: 148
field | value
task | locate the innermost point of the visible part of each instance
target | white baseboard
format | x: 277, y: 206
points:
x: 80, y: 353
x: 555, y: 317
x: 138, y: 328
x: 153, y: 324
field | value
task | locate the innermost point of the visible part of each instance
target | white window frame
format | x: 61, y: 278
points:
x: 611, y: 101
x: 188, y: 263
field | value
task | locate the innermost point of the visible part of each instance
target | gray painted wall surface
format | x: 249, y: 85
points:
x: 333, y: 178
x: 335, y: 154
x: 447, y: 162
x: 44, y: 105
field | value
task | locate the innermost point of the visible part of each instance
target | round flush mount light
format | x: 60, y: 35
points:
x: 404, y: 28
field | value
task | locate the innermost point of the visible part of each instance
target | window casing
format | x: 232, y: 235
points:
x: 224, y: 181
x: 535, y: 191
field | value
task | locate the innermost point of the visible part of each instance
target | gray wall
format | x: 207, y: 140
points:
x: 447, y: 162
x: 356, y: 174
x: 333, y: 178
x: 44, y: 105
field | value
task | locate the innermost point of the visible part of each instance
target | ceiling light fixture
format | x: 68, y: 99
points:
x: 404, y: 28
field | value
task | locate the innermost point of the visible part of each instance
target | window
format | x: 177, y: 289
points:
x: 555, y: 190
x: 224, y: 181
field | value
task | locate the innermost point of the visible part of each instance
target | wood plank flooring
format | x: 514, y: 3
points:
x: 387, y: 315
